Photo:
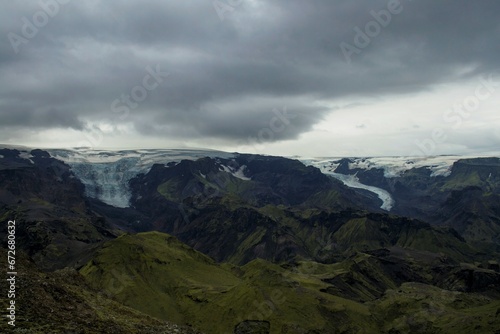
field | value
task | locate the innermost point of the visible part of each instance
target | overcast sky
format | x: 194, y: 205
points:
x: 285, y: 77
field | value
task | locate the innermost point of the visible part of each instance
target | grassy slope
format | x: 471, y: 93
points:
x: 62, y: 302
x: 420, y: 308
x: 158, y: 275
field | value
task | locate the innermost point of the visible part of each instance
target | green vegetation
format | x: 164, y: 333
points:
x: 420, y: 308
x: 462, y: 180
x: 170, y: 189
x: 294, y: 252
x: 62, y: 302
x: 158, y: 275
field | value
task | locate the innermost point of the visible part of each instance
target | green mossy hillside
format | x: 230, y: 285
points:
x: 158, y: 275
x: 63, y: 302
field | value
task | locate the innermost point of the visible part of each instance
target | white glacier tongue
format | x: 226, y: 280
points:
x: 392, y: 167
x: 353, y: 182
x: 108, y: 181
x: 328, y: 166
x: 106, y: 174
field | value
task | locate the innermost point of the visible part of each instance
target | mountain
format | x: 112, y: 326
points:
x: 462, y: 193
x: 106, y: 174
x: 158, y: 275
x: 239, y: 243
x: 55, y: 223
x: 62, y: 301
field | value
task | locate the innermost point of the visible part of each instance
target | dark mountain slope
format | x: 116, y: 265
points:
x: 244, y: 205
x: 54, y: 222
x: 255, y: 180
x: 242, y: 233
x: 468, y: 199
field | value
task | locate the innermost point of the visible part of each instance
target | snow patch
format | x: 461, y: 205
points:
x: 238, y: 173
x: 226, y: 169
x: 27, y: 156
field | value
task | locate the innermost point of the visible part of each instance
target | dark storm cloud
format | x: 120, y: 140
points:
x: 254, y: 121
x: 227, y: 76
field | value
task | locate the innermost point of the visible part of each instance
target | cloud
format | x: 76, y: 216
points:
x: 227, y: 76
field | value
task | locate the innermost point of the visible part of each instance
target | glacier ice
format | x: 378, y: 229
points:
x: 353, y: 182
x: 328, y: 166
x: 108, y: 182
x: 106, y: 174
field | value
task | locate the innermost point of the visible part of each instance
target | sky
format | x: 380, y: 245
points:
x: 286, y: 77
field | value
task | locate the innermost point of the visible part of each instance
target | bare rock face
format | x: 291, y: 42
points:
x: 253, y: 327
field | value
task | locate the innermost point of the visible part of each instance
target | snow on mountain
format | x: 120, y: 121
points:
x: 395, y: 166
x: 26, y: 155
x: 106, y: 174
x: 328, y: 167
x: 392, y: 167
x: 353, y: 182
x: 238, y: 173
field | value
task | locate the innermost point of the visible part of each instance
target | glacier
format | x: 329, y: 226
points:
x: 353, y: 182
x: 395, y: 166
x: 106, y: 174
x: 392, y: 166
x: 328, y: 167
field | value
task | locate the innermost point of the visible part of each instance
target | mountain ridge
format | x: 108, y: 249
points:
x: 204, y: 237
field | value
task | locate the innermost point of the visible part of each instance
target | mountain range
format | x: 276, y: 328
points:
x: 186, y: 241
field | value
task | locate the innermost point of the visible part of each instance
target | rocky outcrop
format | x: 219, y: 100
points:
x: 252, y: 327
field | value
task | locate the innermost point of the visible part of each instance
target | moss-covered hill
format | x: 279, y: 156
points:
x: 366, y: 293
x: 63, y: 302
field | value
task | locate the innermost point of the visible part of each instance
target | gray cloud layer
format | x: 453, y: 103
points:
x: 226, y: 76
